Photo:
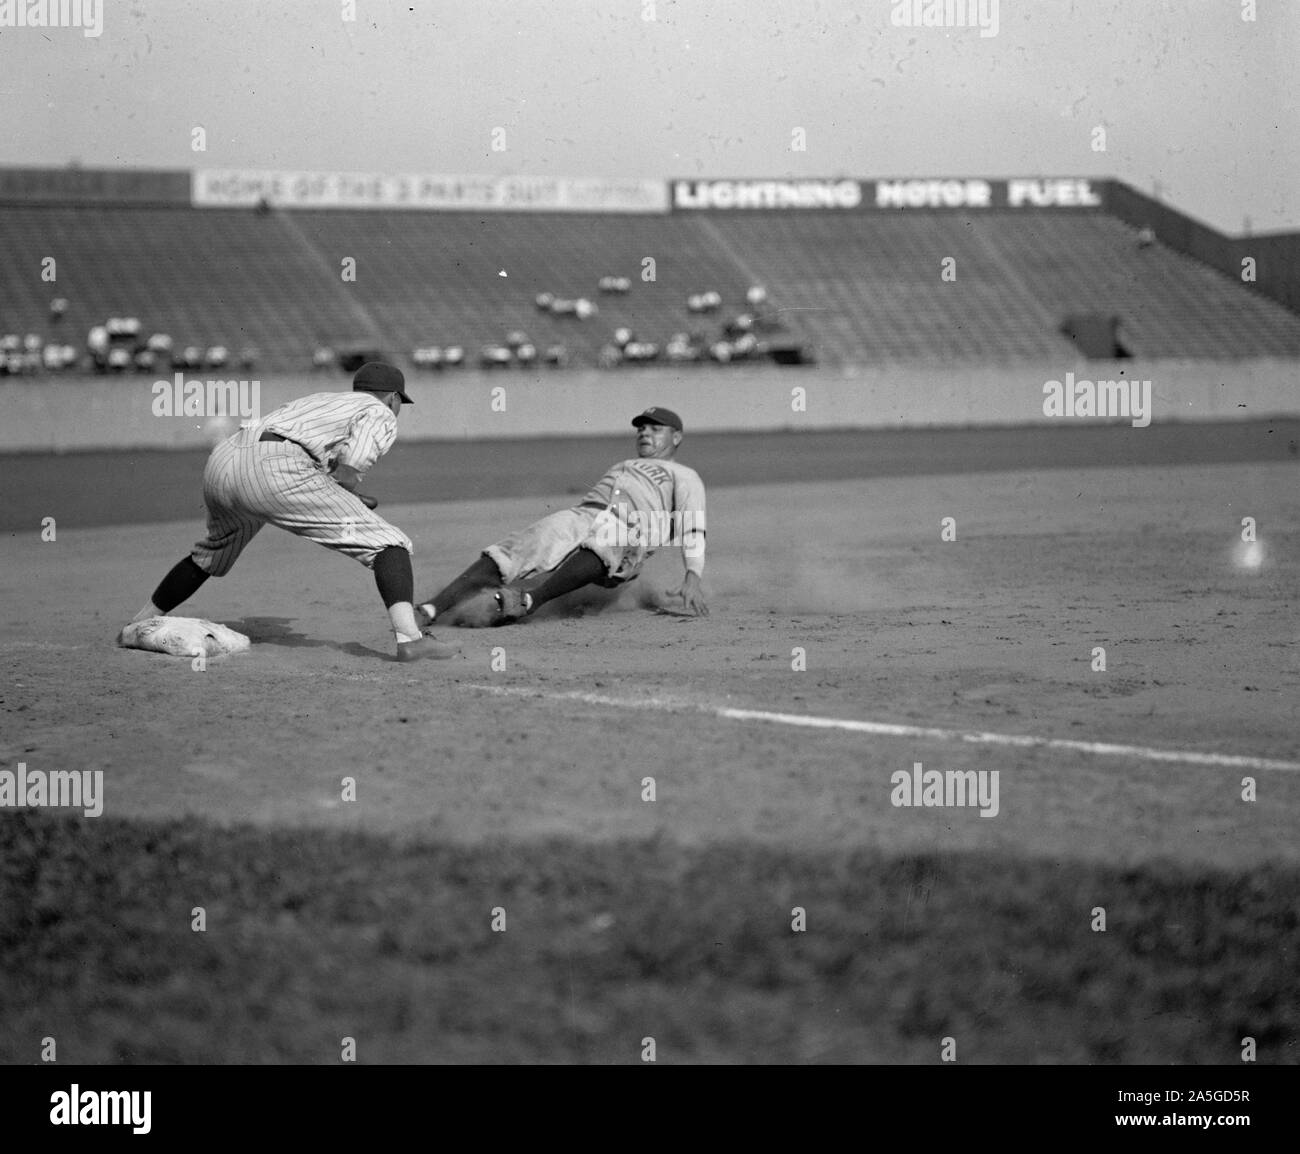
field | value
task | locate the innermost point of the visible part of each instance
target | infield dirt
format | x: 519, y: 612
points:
x: 465, y: 788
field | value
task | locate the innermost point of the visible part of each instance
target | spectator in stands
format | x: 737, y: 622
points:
x: 97, y: 347
x: 216, y: 357
x: 766, y: 318
x: 322, y: 359
x: 145, y: 360
x: 556, y: 355
x: 58, y: 307
x: 640, y: 352
x: 247, y: 359
x: 744, y: 323
x: 453, y: 357
x: 682, y: 349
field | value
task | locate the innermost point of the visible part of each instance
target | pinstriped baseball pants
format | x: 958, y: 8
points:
x: 250, y: 483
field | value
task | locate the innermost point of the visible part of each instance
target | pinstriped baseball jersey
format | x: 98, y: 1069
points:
x: 353, y: 429
x: 249, y: 483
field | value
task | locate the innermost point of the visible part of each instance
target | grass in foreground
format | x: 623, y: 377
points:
x: 312, y: 937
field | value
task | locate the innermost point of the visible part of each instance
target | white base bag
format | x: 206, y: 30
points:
x: 182, y: 637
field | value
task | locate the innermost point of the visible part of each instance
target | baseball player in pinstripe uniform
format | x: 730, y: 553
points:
x: 639, y: 504
x: 299, y: 468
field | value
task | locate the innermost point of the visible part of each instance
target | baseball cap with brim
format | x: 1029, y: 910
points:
x: 657, y: 416
x: 378, y: 377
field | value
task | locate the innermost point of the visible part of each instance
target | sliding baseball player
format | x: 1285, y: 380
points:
x: 640, y: 504
x: 299, y: 468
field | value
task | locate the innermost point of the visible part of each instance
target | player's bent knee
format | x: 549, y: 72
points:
x: 212, y: 567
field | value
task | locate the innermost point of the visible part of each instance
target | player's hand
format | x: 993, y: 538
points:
x: 367, y: 500
x: 692, y: 595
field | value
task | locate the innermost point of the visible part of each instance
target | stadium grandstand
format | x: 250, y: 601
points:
x: 272, y: 286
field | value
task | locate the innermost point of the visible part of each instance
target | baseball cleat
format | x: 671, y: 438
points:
x: 513, y: 603
x: 426, y: 647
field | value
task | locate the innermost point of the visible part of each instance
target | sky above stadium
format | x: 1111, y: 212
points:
x: 1196, y: 102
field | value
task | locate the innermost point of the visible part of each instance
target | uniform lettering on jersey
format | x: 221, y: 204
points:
x: 655, y: 473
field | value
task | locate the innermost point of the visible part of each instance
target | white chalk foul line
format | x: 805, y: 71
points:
x: 888, y: 729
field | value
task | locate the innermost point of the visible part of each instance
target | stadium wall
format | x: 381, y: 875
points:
x: 1276, y: 256
x: 60, y: 414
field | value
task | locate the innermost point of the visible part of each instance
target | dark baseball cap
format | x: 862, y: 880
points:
x: 378, y: 377
x: 657, y: 416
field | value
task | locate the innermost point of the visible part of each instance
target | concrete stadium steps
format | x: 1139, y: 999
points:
x: 872, y: 289
x: 434, y: 278
x: 1171, y: 305
x: 869, y: 288
x: 860, y: 289
x: 210, y: 277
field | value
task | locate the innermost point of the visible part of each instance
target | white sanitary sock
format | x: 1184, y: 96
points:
x: 402, y: 615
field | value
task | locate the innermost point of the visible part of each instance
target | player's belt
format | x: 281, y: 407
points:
x: 595, y: 505
x: 270, y: 436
